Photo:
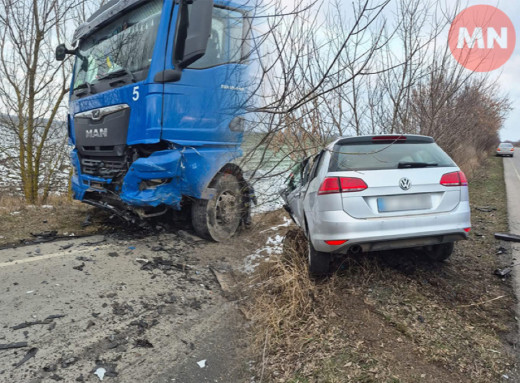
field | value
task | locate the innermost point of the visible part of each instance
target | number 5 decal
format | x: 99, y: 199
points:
x: 135, y: 93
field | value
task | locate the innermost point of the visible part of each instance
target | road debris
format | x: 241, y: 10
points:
x: 143, y: 343
x: 501, y: 250
x: 13, y: 345
x: 47, y: 320
x: 485, y: 209
x: 225, y: 280
x: 113, y: 254
x: 30, y: 354
x: 67, y: 246
x: 79, y: 267
x: 202, y: 363
x: 507, y: 237
x: 100, y: 372
x: 505, y: 272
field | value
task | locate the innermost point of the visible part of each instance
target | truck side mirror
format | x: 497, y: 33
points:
x: 198, y: 32
x: 61, y: 51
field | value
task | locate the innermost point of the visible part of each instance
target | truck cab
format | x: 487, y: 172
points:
x: 157, y: 99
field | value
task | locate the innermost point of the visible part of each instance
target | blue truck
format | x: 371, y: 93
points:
x: 156, y: 110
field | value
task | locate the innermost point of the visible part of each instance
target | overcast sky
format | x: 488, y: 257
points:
x: 507, y: 76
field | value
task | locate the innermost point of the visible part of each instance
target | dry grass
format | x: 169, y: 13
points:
x: 391, y: 317
x: 19, y: 221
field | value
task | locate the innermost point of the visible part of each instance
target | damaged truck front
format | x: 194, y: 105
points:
x: 156, y: 110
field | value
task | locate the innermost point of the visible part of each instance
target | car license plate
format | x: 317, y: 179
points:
x: 404, y: 203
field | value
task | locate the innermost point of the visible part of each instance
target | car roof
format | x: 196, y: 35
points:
x: 414, y: 138
x: 506, y: 143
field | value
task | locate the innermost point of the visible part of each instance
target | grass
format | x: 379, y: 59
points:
x: 392, y: 316
x: 18, y: 221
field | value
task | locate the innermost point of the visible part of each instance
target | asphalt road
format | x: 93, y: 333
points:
x: 512, y: 177
x: 144, y: 310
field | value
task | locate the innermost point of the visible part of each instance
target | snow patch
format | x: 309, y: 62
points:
x: 273, y: 246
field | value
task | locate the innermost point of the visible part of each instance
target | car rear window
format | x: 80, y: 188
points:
x: 506, y: 145
x: 385, y: 155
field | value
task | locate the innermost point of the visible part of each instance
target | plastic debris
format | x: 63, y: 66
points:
x: 503, y: 272
x: 131, y: 247
x: 100, y: 372
x: 202, y: 363
x: 13, y: 345
x: 30, y: 354
x: 485, y: 209
x: 507, y: 237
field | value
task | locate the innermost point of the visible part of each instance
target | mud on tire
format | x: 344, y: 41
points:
x: 218, y: 219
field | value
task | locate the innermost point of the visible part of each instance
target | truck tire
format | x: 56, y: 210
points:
x: 218, y: 219
x: 319, y: 263
x: 440, y: 252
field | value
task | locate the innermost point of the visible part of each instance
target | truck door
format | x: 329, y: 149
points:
x: 199, y: 108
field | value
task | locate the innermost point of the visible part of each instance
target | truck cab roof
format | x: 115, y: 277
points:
x: 114, y: 8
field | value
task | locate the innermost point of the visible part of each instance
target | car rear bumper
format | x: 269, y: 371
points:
x: 389, y: 233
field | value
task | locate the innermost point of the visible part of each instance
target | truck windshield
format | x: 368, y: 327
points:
x: 123, y: 46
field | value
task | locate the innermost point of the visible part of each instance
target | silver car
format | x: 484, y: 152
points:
x: 372, y: 193
x: 505, y: 149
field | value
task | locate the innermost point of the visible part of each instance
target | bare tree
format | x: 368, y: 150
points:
x: 33, y: 86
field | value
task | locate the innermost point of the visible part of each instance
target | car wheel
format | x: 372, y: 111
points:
x: 441, y: 252
x: 319, y: 263
x: 218, y: 219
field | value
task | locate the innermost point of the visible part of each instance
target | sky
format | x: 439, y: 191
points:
x: 507, y: 76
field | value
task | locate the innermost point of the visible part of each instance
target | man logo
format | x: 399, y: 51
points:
x: 96, y: 133
x: 405, y: 183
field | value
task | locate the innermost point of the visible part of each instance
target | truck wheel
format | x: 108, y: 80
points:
x: 319, y: 263
x: 218, y: 219
x: 440, y: 252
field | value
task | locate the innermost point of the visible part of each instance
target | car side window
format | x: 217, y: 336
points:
x: 318, y: 160
x: 310, y: 169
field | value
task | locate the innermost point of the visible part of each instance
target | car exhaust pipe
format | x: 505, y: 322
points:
x: 356, y: 249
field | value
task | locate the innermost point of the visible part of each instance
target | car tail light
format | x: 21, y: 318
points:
x: 330, y: 185
x: 467, y: 230
x: 351, y: 184
x: 333, y: 185
x: 512, y: 149
x: 388, y: 138
x: 454, y: 179
x: 498, y: 149
x: 336, y: 242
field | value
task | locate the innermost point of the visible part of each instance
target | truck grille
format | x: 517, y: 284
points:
x: 105, y: 167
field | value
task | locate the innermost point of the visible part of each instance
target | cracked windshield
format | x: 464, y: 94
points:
x: 123, y: 46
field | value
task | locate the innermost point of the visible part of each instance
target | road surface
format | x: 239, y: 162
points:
x: 512, y: 177
x: 141, y: 309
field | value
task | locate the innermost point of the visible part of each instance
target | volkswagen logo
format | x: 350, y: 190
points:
x: 96, y: 114
x: 405, y: 183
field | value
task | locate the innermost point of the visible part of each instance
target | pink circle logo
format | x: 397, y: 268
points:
x: 482, y: 38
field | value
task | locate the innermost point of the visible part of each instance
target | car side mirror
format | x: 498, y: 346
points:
x: 198, y: 30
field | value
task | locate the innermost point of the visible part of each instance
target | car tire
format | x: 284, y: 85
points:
x: 218, y: 219
x: 319, y: 262
x: 441, y: 252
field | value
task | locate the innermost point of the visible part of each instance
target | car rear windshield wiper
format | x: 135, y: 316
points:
x: 118, y: 73
x: 404, y: 165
